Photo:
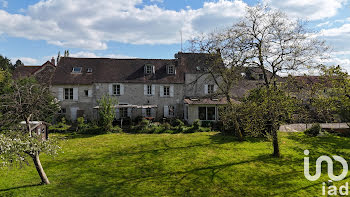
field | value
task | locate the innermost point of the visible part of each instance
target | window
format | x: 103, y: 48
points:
x: 171, y: 69
x: 261, y: 76
x: 116, y: 89
x: 68, y: 93
x: 123, y: 112
x: 171, y: 110
x: 86, y: 92
x: 148, y: 69
x: 149, y: 89
x: 210, y: 89
x: 206, y: 113
x: 62, y: 111
x: 166, y: 90
x: 89, y: 70
x: 76, y: 70
x: 148, y: 112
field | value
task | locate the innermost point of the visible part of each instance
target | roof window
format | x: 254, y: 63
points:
x: 76, y: 70
x: 89, y: 70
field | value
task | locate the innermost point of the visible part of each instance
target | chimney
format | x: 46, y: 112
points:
x: 53, y: 61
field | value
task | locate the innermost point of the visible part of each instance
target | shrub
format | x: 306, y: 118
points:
x: 116, y: 129
x: 314, y: 130
x: 196, y: 124
x: 93, y: 130
x: 60, y: 127
x: 206, y: 123
x: 166, y: 126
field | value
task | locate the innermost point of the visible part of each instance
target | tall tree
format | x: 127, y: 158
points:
x: 25, y: 101
x: 5, y: 64
x: 270, y: 41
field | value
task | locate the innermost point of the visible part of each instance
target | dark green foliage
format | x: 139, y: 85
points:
x: 314, y: 130
x: 196, y: 124
x: 206, y: 123
x: 106, y: 112
x: 60, y: 127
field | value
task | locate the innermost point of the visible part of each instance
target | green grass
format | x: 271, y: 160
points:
x: 199, y: 164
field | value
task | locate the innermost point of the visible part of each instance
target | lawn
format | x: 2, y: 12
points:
x: 198, y: 164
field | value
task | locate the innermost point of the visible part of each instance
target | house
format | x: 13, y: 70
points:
x: 149, y: 88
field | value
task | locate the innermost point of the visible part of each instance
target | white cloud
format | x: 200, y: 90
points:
x: 93, y: 55
x: 159, y: 1
x: 308, y: 9
x: 90, y: 24
x: 27, y: 61
x: 4, y: 3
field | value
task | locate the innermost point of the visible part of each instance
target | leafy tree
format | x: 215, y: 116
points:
x: 5, y: 64
x: 25, y: 101
x: 107, y: 112
x: 18, y: 63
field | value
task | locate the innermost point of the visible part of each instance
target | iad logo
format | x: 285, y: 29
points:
x: 332, y: 190
x: 330, y: 167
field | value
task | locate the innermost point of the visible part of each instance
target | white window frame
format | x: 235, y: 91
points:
x: 171, y: 69
x: 115, y: 89
x: 70, y: 93
x: 166, y: 91
x: 211, y: 88
x: 76, y: 71
x: 149, y: 89
x: 171, y: 109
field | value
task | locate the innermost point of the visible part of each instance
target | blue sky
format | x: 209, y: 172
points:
x: 34, y: 31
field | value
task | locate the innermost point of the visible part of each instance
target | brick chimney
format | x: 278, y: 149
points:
x: 53, y: 61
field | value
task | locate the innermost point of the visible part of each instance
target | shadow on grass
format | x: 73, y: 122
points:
x: 220, y: 138
x: 20, y: 187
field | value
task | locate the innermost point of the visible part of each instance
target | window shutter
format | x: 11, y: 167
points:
x: 110, y: 88
x: 129, y: 111
x: 153, y: 69
x: 143, y: 112
x: 171, y: 91
x: 145, y: 89
x: 89, y: 93
x: 75, y: 94
x: 166, y: 111
x: 153, y: 90
x: 206, y: 89
x: 60, y: 94
x: 153, y: 112
x: 121, y: 89
x: 117, y: 113
x: 215, y: 87
x: 161, y: 91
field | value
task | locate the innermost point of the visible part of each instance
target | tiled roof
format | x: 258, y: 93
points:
x: 24, y: 71
x: 106, y: 70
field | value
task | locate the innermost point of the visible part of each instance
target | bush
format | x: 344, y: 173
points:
x: 166, y: 126
x: 60, y: 127
x: 116, y: 129
x: 196, y: 124
x: 206, y: 123
x: 93, y: 130
x: 314, y: 130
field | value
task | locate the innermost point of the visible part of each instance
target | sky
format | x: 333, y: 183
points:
x: 34, y: 31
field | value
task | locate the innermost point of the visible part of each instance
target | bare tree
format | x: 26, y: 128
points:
x: 25, y: 101
x: 266, y: 39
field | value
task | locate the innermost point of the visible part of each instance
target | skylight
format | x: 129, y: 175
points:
x: 76, y: 70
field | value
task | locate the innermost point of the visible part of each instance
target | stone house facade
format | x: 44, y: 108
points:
x: 149, y: 88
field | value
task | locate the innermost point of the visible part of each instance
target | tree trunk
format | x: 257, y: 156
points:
x: 276, y: 149
x: 39, y: 168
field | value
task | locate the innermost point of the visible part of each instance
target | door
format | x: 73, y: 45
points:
x: 73, y: 113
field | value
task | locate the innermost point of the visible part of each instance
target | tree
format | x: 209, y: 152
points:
x: 107, y: 112
x: 26, y: 101
x: 5, y: 64
x: 270, y: 41
x: 18, y: 63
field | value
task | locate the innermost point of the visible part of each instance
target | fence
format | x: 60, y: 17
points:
x: 302, y: 127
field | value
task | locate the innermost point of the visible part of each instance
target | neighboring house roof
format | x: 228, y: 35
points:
x: 208, y: 101
x: 24, y: 71
x: 42, y: 73
x: 107, y: 70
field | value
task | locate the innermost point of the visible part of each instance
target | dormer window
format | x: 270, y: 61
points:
x: 89, y: 70
x: 198, y: 68
x: 171, y: 69
x: 76, y: 70
x: 149, y: 69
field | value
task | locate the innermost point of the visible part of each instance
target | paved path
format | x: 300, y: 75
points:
x: 303, y: 127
